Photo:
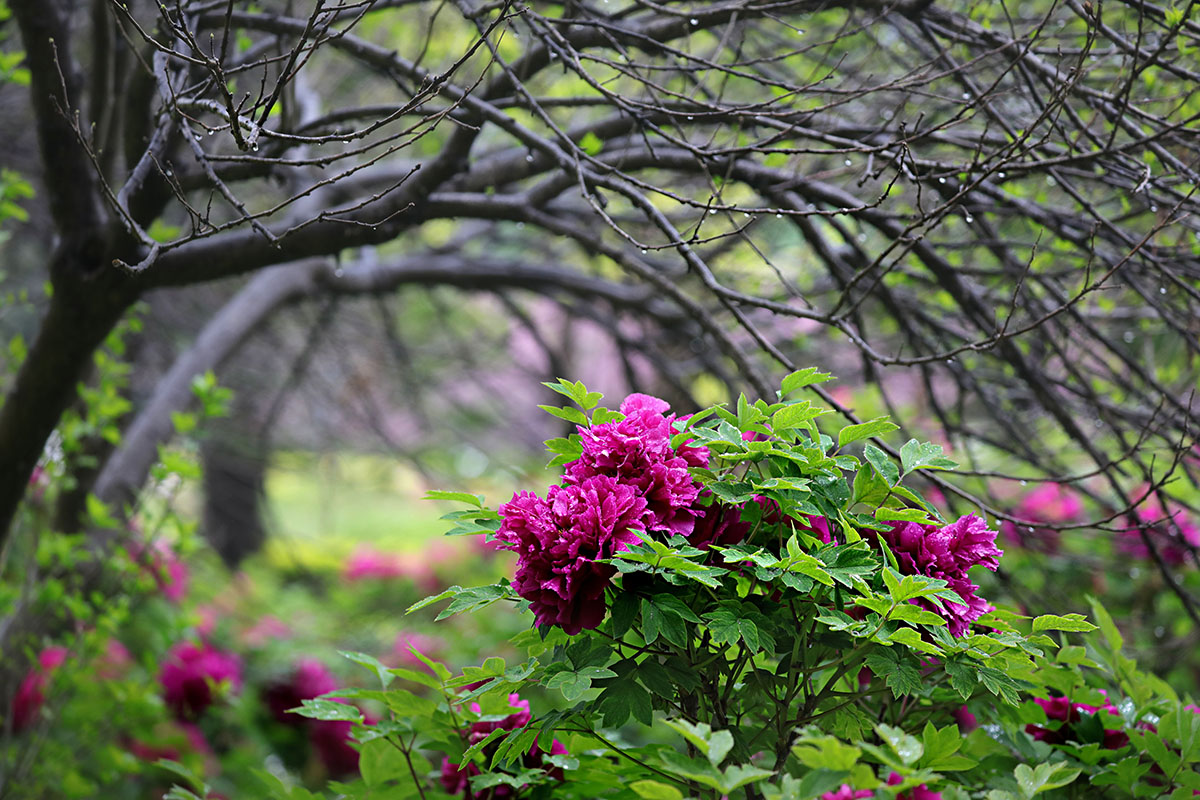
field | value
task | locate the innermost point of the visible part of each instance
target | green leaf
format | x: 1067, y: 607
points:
x: 566, y: 413
x: 1069, y: 622
x: 801, y: 378
x: 905, y: 746
x: 328, y: 710
x: 1043, y: 777
x: 380, y: 761
x: 370, y: 662
x: 923, y: 455
x: 795, y: 415
x: 591, y: 143
x: 622, y: 699
x: 653, y: 790
x: 475, y: 500
x: 884, y: 466
x: 898, y: 670
x: 1108, y: 628
x: 865, y: 430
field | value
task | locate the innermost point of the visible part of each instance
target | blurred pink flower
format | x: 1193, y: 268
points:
x: 308, y: 680
x: 170, y: 573
x: 845, y: 792
x: 965, y: 720
x: 192, y: 673
x: 1050, y: 504
x: 367, y: 563
x: 264, y: 630
x: 113, y: 662
x: 1173, y: 533
x: 29, y: 698
x: 331, y: 741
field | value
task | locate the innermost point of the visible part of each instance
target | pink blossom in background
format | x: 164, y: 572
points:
x: 946, y: 552
x: 637, y: 452
x: 402, y: 654
x: 308, y: 680
x: 113, y: 662
x: 1050, y: 504
x: 921, y: 792
x: 455, y: 780
x: 191, y: 673
x: 266, y: 629
x: 1174, y: 534
x: 30, y: 694
x: 368, y: 563
x: 39, y: 481
x: 169, y: 571
x: 845, y: 792
x: 557, y: 541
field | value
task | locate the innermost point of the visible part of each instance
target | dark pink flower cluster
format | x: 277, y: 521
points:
x: 31, y: 693
x: 637, y: 452
x: 847, y: 792
x: 1173, y: 534
x: 1049, y: 504
x: 557, y: 541
x: 192, y: 675
x: 1061, y: 709
x: 330, y: 738
x: 456, y: 778
x: 947, y: 553
x: 921, y: 792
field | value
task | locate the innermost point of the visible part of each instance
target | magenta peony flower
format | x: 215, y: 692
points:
x: 331, y: 741
x: 947, y: 553
x: 557, y: 541
x: 309, y: 680
x: 921, y: 792
x: 455, y: 778
x: 1051, y: 504
x: 1061, y: 709
x: 1174, y: 535
x: 192, y: 673
x: 845, y: 792
x: 637, y: 451
x: 965, y: 720
x: 518, y: 719
x: 30, y: 694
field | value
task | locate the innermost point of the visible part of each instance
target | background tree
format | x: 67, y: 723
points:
x: 987, y: 211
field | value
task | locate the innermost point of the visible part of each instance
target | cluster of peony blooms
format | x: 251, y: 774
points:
x: 629, y: 480
x: 329, y: 738
x: 846, y: 792
x: 946, y: 552
x: 1174, y: 535
x: 1062, y: 710
x: 456, y: 778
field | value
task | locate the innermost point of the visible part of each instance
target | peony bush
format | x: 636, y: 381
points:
x: 739, y: 604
